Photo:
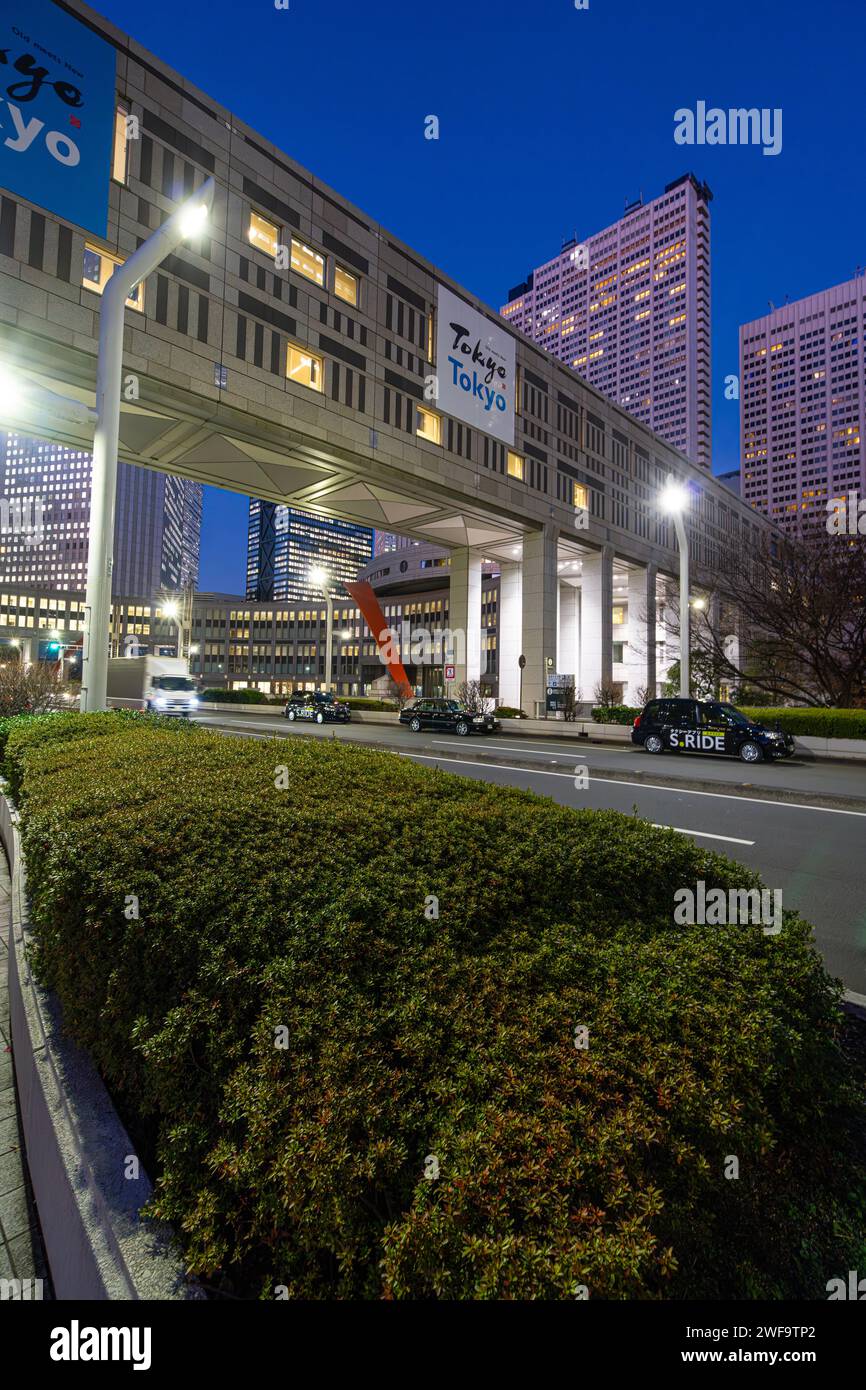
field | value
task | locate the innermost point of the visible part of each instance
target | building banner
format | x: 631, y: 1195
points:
x: 475, y: 367
x: 57, y: 101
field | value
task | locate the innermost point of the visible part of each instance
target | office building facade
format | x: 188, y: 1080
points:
x: 803, y: 407
x: 45, y: 488
x: 285, y: 544
x: 628, y: 309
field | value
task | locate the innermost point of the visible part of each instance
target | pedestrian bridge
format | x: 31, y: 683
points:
x: 299, y: 352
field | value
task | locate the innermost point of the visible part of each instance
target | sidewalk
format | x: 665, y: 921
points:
x: 21, y: 1255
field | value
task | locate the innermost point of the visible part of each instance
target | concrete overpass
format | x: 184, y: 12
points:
x: 287, y: 354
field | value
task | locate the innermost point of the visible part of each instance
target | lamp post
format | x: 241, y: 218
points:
x: 674, y: 500
x: 187, y: 221
x: 171, y: 610
x: 320, y: 579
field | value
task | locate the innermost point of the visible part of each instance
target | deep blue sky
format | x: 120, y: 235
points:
x: 550, y: 120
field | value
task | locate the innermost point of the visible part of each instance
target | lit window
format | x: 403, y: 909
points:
x: 428, y: 425
x: 516, y: 464
x: 264, y: 234
x: 346, y: 285
x: 119, y: 153
x: 308, y: 262
x: 579, y: 496
x: 99, y: 266
x: 305, y: 368
x: 618, y: 617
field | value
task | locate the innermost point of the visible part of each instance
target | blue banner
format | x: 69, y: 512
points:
x: 57, y: 103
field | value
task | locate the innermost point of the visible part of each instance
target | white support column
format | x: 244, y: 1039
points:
x: 509, y: 634
x: 596, y: 621
x: 641, y: 663
x: 464, y: 617
x: 568, y: 657
x: 539, y: 602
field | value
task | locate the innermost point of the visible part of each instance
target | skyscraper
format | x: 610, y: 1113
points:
x: 803, y: 406
x: 284, y: 545
x: 157, y: 527
x: 629, y: 309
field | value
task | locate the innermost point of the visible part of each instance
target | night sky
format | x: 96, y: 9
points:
x: 551, y: 119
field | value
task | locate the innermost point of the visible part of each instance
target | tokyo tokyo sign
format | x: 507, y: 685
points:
x: 475, y: 367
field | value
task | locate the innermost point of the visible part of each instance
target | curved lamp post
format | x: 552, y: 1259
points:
x: 187, y: 221
x: 674, y: 500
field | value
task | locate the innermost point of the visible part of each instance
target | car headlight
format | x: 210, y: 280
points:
x: 193, y: 704
x: 160, y: 702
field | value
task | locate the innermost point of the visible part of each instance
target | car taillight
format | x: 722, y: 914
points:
x: 637, y: 722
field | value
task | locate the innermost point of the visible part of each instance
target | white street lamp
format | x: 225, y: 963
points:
x: 674, y: 499
x: 320, y: 579
x: 188, y: 220
x: 171, y: 610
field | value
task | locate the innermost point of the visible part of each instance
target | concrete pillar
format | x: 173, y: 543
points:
x: 509, y: 634
x: 641, y: 655
x: 464, y: 617
x: 596, y: 621
x: 539, y: 602
x: 26, y: 649
x: 568, y: 658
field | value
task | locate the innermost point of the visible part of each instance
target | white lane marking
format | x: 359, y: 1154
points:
x: 645, y: 786
x: 702, y: 834
x: 561, y: 749
x: 853, y: 998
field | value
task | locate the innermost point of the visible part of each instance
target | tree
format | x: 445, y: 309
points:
x: 799, y: 610
x: 607, y: 693
x: 33, y: 689
x: 473, y: 696
x: 399, y: 692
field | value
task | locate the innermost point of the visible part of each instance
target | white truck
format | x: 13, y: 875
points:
x: 160, y: 684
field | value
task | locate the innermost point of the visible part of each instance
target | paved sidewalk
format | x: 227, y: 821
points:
x: 21, y: 1254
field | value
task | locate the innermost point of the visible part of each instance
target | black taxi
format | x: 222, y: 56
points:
x: 707, y: 726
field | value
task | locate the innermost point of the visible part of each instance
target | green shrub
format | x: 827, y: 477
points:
x: 236, y: 697
x: 23, y: 732
x: 615, y: 714
x: 304, y: 909
x: 509, y: 712
x: 811, y: 723
x: 369, y: 703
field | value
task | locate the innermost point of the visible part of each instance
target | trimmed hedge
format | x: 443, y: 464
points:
x: 22, y: 732
x: 811, y: 723
x: 452, y: 1039
x: 239, y: 697
x: 616, y: 714
x: 509, y: 712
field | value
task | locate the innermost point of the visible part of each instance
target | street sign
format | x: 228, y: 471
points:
x: 450, y: 673
x: 56, y: 111
x: 521, y: 661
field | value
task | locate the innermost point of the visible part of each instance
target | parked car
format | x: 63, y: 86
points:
x: 318, y: 705
x: 448, y: 716
x: 707, y: 726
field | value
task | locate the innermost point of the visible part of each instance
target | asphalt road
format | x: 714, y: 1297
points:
x: 802, y: 825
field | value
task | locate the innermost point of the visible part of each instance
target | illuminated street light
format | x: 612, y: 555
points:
x: 321, y: 580
x: 188, y: 220
x: 11, y: 393
x: 674, y: 499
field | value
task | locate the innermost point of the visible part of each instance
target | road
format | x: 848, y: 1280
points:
x: 801, y: 825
